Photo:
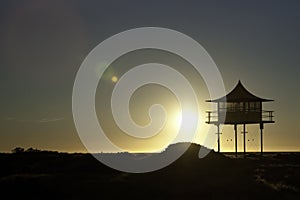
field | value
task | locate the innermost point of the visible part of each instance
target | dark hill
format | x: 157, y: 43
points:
x: 49, y: 175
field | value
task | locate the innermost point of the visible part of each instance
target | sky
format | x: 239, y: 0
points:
x: 43, y: 43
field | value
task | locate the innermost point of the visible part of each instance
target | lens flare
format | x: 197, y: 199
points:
x: 114, y: 79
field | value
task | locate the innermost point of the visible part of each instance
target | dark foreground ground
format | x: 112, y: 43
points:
x: 79, y: 176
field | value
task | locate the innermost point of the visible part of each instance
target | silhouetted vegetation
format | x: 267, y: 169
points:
x: 36, y: 174
x: 19, y: 150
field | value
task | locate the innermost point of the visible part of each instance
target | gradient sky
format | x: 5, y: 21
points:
x: 43, y: 43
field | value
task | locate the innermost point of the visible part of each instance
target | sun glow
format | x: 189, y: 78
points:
x: 190, y: 115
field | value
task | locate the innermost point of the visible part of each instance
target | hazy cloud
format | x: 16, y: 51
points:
x: 45, y: 120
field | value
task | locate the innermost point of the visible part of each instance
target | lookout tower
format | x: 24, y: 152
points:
x: 240, y: 107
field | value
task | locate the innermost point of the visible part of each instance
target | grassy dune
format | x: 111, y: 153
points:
x: 49, y: 175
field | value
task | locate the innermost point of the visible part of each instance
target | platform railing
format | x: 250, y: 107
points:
x: 212, y: 116
x: 266, y: 116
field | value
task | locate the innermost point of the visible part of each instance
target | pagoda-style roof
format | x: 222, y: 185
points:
x: 240, y: 94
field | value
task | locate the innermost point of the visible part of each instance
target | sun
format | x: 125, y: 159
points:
x: 190, y: 115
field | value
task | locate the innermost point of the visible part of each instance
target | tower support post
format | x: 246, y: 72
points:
x: 261, y: 138
x: 244, y: 132
x: 235, y: 134
x: 218, y: 137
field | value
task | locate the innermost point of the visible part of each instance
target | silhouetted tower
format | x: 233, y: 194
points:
x: 240, y: 107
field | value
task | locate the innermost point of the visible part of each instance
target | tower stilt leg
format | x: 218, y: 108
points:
x: 218, y: 137
x: 235, y: 134
x: 261, y: 138
x: 244, y: 132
